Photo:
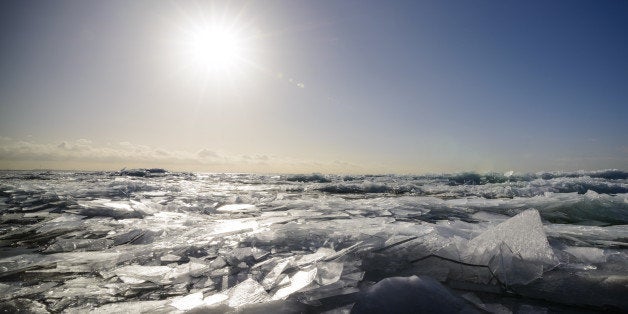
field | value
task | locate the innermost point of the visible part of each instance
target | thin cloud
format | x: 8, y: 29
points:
x: 85, y: 154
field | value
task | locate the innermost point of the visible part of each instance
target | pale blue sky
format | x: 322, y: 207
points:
x: 326, y: 86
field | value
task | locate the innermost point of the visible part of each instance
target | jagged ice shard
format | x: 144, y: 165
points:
x: 162, y: 242
x: 517, y: 249
x: 522, y: 234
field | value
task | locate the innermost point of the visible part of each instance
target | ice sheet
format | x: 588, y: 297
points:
x: 163, y: 242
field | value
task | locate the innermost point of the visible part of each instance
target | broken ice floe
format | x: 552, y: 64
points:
x: 117, y: 210
x: 78, y: 242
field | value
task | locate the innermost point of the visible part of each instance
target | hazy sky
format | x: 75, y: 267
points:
x: 317, y: 86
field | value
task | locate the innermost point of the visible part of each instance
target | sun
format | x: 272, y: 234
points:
x: 215, y: 49
x: 212, y: 46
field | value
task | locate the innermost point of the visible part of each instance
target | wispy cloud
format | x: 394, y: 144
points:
x: 85, y: 154
x: 83, y: 150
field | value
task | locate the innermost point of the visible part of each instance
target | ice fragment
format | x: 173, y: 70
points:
x: 234, y: 208
x: 328, y: 273
x: 188, y: 302
x: 524, y: 236
x: 156, y: 274
x: 298, y: 281
x: 272, y: 277
x: 247, y: 292
x: 587, y: 254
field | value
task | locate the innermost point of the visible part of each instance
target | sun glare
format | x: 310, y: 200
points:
x: 215, y: 49
x: 214, y: 46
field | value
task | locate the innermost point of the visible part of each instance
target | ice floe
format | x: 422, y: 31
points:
x: 148, y: 240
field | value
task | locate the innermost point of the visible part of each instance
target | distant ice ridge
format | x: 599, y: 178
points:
x: 490, y: 185
x: 177, y: 242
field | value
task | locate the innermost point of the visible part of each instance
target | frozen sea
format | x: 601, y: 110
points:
x: 150, y: 240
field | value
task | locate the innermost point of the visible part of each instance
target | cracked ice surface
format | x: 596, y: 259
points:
x: 154, y: 241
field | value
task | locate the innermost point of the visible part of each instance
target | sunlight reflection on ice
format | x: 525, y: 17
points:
x: 231, y: 242
x: 234, y: 226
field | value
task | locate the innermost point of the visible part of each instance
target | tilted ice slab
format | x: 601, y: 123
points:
x: 516, y: 250
x: 297, y: 282
x: 117, y: 210
x: 523, y: 234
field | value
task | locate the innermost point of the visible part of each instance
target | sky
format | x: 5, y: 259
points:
x: 404, y: 87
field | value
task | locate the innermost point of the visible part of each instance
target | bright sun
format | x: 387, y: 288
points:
x: 215, y: 49
x: 214, y: 45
